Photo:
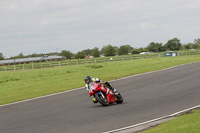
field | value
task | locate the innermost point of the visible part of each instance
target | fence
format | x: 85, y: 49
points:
x: 88, y: 61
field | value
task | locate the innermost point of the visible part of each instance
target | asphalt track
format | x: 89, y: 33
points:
x: 146, y: 97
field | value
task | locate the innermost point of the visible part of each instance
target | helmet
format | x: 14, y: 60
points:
x: 87, y: 79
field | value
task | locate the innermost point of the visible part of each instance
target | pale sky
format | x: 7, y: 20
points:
x: 44, y: 26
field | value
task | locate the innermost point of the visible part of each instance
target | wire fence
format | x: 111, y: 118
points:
x: 88, y: 61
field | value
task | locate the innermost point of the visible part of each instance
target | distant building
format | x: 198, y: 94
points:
x: 30, y: 60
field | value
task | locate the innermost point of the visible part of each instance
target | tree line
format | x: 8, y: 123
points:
x: 109, y: 50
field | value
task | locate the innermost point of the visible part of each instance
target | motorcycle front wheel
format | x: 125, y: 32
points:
x: 119, y: 98
x: 101, y: 98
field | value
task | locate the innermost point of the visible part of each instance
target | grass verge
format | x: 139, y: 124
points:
x: 20, y: 85
x: 187, y: 123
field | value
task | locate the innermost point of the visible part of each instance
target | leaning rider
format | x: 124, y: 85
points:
x: 89, y: 79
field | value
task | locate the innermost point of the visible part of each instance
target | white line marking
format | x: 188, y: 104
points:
x: 164, y: 117
x: 41, y: 97
x: 154, y: 71
x: 83, y: 87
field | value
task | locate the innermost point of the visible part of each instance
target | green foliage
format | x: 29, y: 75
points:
x: 123, y: 50
x: 95, y: 52
x: 18, y: 56
x: 144, y: 49
x: 173, y: 44
x: 155, y: 47
x: 136, y: 51
x: 1, y: 56
x: 66, y: 54
x: 197, y: 43
x: 189, y: 46
x: 53, y: 53
x: 21, y: 55
x: 80, y: 55
x: 87, y: 51
x: 103, y: 49
x: 35, y: 55
x: 109, y: 50
x: 129, y: 48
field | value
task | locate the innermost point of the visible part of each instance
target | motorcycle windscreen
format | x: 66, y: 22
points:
x: 91, y: 86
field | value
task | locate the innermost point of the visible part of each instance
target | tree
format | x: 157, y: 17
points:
x: 21, y: 55
x: 95, y: 52
x: 1, y: 56
x: 155, y: 47
x: 53, y: 53
x: 103, y: 49
x: 123, y: 50
x: 87, y: 51
x: 129, y: 48
x: 144, y: 49
x: 109, y: 50
x: 66, y: 54
x: 197, y: 43
x: 35, y: 55
x: 173, y: 44
x: 188, y: 46
x: 18, y: 56
x: 136, y: 51
x: 80, y: 55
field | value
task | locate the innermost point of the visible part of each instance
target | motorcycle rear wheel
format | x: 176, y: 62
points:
x: 101, y: 100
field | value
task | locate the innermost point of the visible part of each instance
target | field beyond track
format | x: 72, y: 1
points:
x: 20, y: 85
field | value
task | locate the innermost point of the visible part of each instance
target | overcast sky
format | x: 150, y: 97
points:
x: 43, y: 26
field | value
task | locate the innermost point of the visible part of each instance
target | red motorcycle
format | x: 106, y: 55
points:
x: 103, y: 94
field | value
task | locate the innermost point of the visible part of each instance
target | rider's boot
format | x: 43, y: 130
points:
x: 114, y: 90
x: 94, y: 100
x: 111, y: 88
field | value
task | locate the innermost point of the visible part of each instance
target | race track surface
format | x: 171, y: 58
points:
x: 146, y: 97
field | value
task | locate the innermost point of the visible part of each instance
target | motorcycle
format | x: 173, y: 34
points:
x: 103, y: 94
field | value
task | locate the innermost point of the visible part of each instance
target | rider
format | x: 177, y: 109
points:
x: 89, y: 79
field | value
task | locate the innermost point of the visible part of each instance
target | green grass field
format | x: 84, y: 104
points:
x: 188, y: 123
x: 51, y: 64
x: 25, y: 84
